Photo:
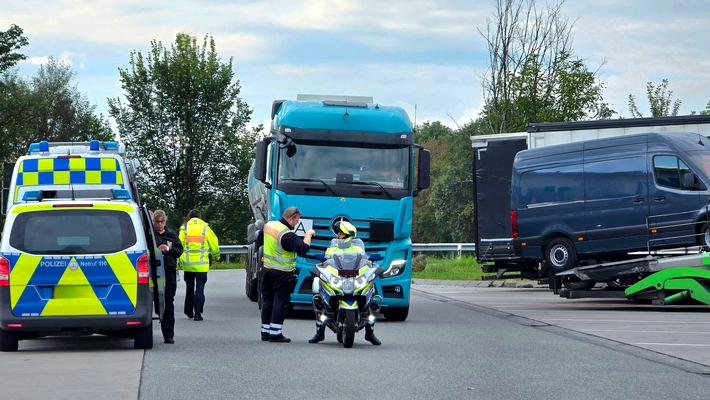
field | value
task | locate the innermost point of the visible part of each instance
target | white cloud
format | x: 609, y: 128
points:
x: 408, y: 52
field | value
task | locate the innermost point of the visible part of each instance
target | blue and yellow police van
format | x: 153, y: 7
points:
x: 77, y: 255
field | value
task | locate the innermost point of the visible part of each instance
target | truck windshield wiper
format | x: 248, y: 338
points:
x: 311, y: 180
x: 372, y: 183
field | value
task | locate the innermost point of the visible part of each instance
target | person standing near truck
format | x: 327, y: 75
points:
x: 344, y: 242
x: 169, y: 244
x: 200, y: 244
x: 281, y: 246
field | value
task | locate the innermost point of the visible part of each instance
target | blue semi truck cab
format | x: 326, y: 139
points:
x: 340, y: 160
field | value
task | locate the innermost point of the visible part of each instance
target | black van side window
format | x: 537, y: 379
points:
x: 551, y: 185
x: 615, y: 179
x: 669, y: 171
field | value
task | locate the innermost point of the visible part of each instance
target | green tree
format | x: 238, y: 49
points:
x: 532, y: 75
x: 62, y: 113
x: 11, y: 40
x: 660, y: 100
x: 444, y: 213
x: 184, y: 120
x: 13, y: 91
x: 49, y: 107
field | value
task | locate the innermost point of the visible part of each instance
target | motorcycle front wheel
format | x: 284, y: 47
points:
x: 350, y: 322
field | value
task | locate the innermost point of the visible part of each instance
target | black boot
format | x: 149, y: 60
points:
x: 370, y: 335
x: 319, y: 336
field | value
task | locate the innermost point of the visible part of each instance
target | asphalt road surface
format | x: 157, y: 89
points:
x: 459, y: 342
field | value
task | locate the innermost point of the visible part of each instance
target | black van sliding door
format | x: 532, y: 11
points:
x: 617, y: 202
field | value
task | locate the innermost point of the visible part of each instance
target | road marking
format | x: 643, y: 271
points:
x: 672, y: 344
x: 628, y: 331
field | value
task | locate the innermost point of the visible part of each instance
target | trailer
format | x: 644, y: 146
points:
x: 492, y: 169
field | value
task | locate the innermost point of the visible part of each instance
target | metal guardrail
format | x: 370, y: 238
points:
x: 454, y: 248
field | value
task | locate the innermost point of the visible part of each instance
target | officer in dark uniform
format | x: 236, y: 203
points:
x: 169, y: 244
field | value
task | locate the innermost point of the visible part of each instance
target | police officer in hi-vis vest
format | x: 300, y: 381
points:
x: 281, y: 246
x: 200, y: 243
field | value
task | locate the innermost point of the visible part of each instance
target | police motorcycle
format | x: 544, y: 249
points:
x: 344, y: 296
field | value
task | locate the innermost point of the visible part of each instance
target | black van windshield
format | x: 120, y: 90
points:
x: 701, y: 160
x: 73, y: 232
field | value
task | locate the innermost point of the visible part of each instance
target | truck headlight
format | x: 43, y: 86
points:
x: 396, y: 267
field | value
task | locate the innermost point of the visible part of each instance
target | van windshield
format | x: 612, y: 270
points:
x: 700, y: 160
x: 73, y: 232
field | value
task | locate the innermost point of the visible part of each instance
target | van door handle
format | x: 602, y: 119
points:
x: 660, y: 198
x: 638, y: 200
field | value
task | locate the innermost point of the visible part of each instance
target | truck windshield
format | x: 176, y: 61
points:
x: 380, y: 167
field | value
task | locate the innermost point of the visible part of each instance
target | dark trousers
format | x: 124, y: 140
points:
x: 275, y: 295
x: 195, y: 294
x: 167, y: 324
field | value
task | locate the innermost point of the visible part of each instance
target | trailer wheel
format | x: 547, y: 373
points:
x: 704, y: 237
x: 574, y: 283
x: 560, y: 254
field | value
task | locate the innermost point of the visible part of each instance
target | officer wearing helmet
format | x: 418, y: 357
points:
x: 345, y: 232
x: 345, y: 242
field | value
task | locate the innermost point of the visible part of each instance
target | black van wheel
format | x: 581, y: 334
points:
x: 704, y: 237
x: 8, y: 341
x: 560, y: 254
x: 143, y: 338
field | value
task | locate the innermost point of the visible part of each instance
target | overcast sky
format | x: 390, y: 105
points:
x: 426, y: 54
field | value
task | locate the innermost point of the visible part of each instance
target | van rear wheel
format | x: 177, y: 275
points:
x: 704, y: 237
x: 560, y: 254
x: 8, y: 341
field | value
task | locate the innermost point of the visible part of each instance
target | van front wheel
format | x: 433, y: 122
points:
x: 704, y: 237
x: 560, y: 254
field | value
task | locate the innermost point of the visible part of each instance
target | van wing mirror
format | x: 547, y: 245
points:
x: 689, y: 181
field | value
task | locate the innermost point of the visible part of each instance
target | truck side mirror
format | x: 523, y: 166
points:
x: 260, y: 160
x: 424, y: 161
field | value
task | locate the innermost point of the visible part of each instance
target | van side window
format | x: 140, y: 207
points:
x: 616, y: 178
x: 669, y: 171
x: 551, y: 185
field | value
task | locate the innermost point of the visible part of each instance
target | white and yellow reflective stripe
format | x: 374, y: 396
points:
x: 201, y: 251
x: 20, y: 277
x: 126, y: 274
x: 21, y: 208
x: 75, y: 286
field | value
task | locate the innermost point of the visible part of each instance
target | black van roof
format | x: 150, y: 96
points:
x: 682, y: 141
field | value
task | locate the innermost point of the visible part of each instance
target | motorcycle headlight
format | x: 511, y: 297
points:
x: 335, y: 281
x: 360, y: 281
x: 396, y: 267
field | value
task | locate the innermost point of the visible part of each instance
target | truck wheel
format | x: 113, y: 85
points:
x: 350, y: 321
x: 144, y: 337
x: 252, y: 288
x: 560, y: 254
x: 704, y: 237
x: 395, y: 313
x: 8, y: 341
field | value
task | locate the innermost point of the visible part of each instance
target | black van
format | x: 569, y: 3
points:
x: 600, y: 199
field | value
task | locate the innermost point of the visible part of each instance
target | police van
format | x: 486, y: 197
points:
x: 77, y: 255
